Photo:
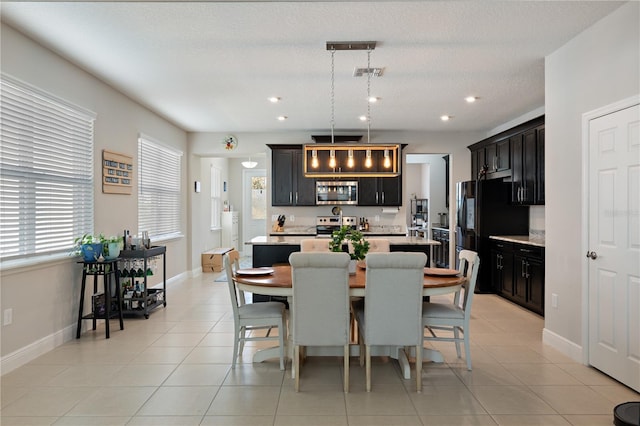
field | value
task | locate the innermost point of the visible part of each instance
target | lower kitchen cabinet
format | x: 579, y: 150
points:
x: 502, y: 268
x: 441, y: 252
x: 517, y: 273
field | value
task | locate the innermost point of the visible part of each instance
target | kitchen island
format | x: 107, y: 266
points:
x: 272, y: 250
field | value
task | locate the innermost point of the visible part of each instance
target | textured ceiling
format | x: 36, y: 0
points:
x: 210, y: 66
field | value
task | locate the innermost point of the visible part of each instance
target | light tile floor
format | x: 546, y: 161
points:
x: 174, y: 369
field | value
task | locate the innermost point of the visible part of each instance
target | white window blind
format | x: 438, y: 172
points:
x: 46, y: 172
x: 158, y: 189
x: 216, y: 199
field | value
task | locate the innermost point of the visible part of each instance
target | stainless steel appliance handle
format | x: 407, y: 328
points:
x: 290, y: 197
x: 383, y: 197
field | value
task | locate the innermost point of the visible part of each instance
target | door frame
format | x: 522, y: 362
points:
x: 586, y: 118
x: 246, y: 197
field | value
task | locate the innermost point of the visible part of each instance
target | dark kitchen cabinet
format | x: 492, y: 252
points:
x: 502, y: 268
x: 289, y: 185
x: 529, y: 277
x: 441, y: 252
x: 497, y: 156
x: 517, y: 273
x: 384, y: 191
x: 527, y: 160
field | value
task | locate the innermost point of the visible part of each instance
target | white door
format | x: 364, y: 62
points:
x: 254, y: 205
x: 614, y: 245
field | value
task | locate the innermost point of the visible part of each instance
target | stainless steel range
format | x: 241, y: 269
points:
x: 325, y: 225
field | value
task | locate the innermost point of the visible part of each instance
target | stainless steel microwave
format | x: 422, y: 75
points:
x: 336, y: 192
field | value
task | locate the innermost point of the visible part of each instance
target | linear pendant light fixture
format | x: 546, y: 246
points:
x: 351, y: 159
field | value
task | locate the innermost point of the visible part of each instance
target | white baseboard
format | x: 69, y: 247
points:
x: 567, y: 347
x: 30, y: 352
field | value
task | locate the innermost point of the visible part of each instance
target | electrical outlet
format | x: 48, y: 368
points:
x: 554, y: 300
x: 292, y: 218
x: 274, y: 217
x: 7, y: 317
x: 377, y: 218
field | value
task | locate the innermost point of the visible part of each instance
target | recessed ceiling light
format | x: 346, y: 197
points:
x: 274, y: 99
x: 282, y: 117
x: 373, y: 99
x: 445, y: 117
x: 471, y: 99
x: 363, y: 118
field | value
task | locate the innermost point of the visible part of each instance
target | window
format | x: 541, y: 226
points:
x: 216, y: 198
x: 158, y: 189
x: 46, y: 172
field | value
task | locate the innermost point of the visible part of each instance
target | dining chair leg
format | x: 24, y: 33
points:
x: 281, y: 334
x: 419, y: 350
x: 361, y: 352
x: 346, y: 368
x: 296, y: 367
x: 456, y: 335
x: 235, y: 347
x: 467, y: 351
x: 368, y: 366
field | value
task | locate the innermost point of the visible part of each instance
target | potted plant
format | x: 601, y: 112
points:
x: 111, y: 247
x: 359, y: 244
x: 89, y: 246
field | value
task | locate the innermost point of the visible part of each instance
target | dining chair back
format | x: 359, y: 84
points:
x: 320, y: 304
x: 315, y: 244
x: 251, y: 317
x: 392, y: 312
x: 376, y: 245
x: 454, y: 317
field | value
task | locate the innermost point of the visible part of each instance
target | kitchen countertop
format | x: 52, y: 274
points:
x: 520, y: 239
x: 294, y: 240
x: 310, y: 231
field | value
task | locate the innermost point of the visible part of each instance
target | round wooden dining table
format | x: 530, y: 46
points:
x: 276, y: 281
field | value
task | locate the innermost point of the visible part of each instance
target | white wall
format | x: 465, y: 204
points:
x: 598, y: 67
x: 44, y: 297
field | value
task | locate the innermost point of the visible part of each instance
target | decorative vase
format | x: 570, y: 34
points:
x: 91, y: 252
x: 352, y: 266
x: 113, y: 251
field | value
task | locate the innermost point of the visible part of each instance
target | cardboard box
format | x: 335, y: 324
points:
x: 212, y: 259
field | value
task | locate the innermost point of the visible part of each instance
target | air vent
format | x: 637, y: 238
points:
x: 360, y: 72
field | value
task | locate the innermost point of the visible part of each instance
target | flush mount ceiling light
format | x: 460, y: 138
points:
x: 471, y: 99
x: 274, y: 99
x: 249, y: 164
x: 352, y: 159
x: 445, y: 117
x: 282, y: 117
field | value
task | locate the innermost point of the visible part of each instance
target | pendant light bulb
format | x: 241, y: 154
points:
x: 367, y: 160
x: 332, y: 159
x: 387, y: 160
x: 314, y: 159
x: 350, y: 159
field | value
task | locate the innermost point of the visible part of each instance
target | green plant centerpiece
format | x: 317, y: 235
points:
x: 359, y: 244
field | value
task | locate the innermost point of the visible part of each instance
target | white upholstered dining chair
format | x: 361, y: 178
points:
x: 392, y: 311
x: 376, y: 245
x: 251, y: 317
x: 320, y: 304
x: 454, y: 317
x: 315, y: 244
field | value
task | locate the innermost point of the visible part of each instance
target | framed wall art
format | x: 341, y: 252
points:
x: 117, y: 173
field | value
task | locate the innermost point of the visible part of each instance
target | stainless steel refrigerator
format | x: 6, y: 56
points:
x: 484, y: 208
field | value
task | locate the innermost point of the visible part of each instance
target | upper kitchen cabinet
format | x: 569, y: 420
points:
x: 527, y: 177
x: 385, y: 191
x: 289, y: 186
x: 516, y: 154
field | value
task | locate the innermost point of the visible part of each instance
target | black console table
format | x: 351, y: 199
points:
x: 101, y: 303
